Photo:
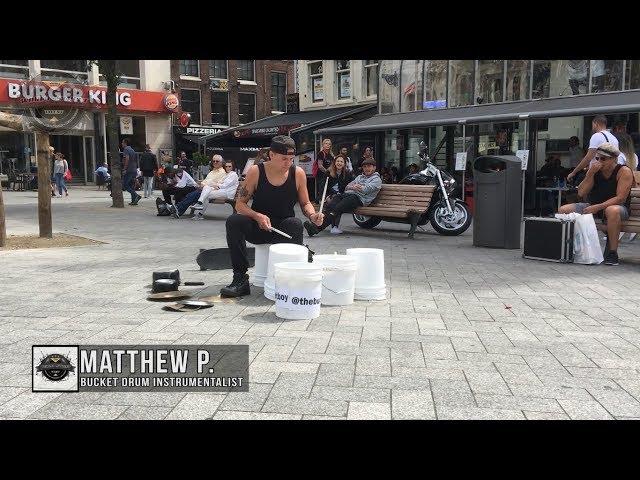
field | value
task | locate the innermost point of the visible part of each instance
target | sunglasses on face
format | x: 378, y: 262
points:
x: 602, y: 158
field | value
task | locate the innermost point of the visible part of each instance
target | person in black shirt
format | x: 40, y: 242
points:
x: 148, y: 165
x: 185, y: 163
x: 275, y: 187
x: 324, y: 159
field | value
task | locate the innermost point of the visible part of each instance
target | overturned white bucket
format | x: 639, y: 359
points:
x: 261, y: 265
x: 282, y: 252
x: 339, y: 279
x: 298, y: 290
x: 370, y: 273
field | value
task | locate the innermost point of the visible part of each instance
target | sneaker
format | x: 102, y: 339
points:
x: 311, y: 228
x: 174, y: 211
x: 137, y: 199
x: 197, y: 206
x: 66, y: 194
x: 611, y: 258
x: 335, y: 230
x: 238, y: 287
x: 198, y: 216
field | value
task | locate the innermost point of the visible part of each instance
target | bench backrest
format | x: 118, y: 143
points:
x: 635, y: 202
x: 404, y: 197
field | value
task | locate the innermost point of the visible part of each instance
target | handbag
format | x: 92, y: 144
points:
x: 67, y: 175
x: 586, y: 243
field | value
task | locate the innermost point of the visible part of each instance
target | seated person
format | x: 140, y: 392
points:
x: 339, y: 177
x: 102, y: 174
x: 607, y: 186
x: 413, y: 168
x: 359, y: 193
x: 178, y: 183
x: 225, y: 189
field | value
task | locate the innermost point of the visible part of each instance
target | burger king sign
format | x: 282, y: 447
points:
x: 171, y: 102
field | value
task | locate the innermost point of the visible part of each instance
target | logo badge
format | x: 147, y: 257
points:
x: 171, y: 102
x: 55, y: 368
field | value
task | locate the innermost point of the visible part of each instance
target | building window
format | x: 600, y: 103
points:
x: 191, y: 103
x: 129, y: 71
x: 408, y: 85
x: 70, y: 70
x: 489, y: 80
x: 461, y: 77
x: 278, y: 92
x: 606, y: 75
x: 518, y: 77
x: 632, y: 77
x: 218, y: 69
x: 317, y: 81
x: 220, y: 108
x: 246, y: 70
x: 435, y: 84
x: 389, y: 91
x: 14, y: 68
x: 371, y: 78
x: 343, y: 72
x: 246, y: 107
x: 189, y: 68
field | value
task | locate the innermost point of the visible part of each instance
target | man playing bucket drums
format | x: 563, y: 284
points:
x: 275, y: 186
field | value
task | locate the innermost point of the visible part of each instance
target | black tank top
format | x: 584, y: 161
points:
x: 275, y: 202
x: 606, y: 188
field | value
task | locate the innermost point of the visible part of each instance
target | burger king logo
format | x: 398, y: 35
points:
x: 171, y: 102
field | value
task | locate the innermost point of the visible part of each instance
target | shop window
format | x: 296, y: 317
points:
x: 246, y: 107
x: 218, y: 69
x: 371, y: 78
x: 343, y: 77
x: 278, y: 92
x: 489, y: 81
x: 408, y: 85
x: 14, y: 68
x: 435, y: 84
x: 220, y: 108
x: 518, y: 77
x: 189, y: 68
x: 560, y: 78
x: 129, y: 71
x: 190, y: 99
x: 389, y: 90
x: 65, y: 70
x: 606, y: 75
x: 632, y: 77
x: 461, y: 78
x: 246, y: 70
x: 316, y: 79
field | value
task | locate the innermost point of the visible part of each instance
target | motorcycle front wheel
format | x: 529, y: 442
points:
x: 366, y: 222
x: 450, y: 224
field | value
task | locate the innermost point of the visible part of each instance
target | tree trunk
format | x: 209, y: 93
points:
x: 44, y: 185
x: 108, y: 68
x: 3, y: 228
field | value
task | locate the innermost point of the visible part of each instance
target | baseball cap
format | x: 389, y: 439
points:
x: 282, y: 144
x: 368, y: 161
x: 608, y: 150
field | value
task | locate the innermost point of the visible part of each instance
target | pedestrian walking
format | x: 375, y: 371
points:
x: 60, y: 167
x: 130, y: 169
x: 149, y: 165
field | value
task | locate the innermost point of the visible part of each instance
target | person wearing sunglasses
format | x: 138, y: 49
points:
x: 225, y: 189
x: 606, y: 186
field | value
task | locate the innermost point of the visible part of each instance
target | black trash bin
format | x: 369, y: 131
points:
x: 497, y: 182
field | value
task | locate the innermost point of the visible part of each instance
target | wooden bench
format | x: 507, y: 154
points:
x: 631, y: 225
x: 400, y: 204
x: 222, y: 201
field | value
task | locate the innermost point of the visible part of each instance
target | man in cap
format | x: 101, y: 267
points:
x: 607, y: 186
x: 275, y: 187
x: 358, y: 193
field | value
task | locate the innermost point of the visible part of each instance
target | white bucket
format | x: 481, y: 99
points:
x: 261, y: 265
x: 339, y: 279
x: 298, y: 290
x: 282, y: 252
x: 370, y: 273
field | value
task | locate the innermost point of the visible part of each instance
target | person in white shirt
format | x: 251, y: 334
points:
x: 179, y: 184
x: 217, y: 173
x: 225, y: 189
x: 575, y: 152
x: 601, y: 135
x: 627, y: 155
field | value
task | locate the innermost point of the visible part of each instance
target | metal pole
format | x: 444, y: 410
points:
x: 464, y: 150
x: 524, y: 172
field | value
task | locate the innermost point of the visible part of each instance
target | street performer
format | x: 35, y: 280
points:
x: 275, y: 186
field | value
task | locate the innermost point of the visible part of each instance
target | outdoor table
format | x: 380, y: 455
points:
x: 559, y: 190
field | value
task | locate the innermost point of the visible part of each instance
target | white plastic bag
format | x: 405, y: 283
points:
x: 586, y: 243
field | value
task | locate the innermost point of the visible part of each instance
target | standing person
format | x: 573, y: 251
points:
x: 149, y: 165
x: 607, y: 186
x: 185, y: 163
x: 600, y: 136
x: 348, y: 164
x: 619, y: 127
x: 367, y: 155
x: 339, y: 178
x: 575, y: 152
x: 60, y: 167
x: 275, y: 187
x: 360, y: 192
x: 130, y: 169
x: 628, y: 155
x: 323, y: 162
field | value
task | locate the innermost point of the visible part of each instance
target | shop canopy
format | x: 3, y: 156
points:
x: 541, y: 108
x: 282, y: 124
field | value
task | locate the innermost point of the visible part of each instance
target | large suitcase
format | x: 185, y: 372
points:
x: 548, y: 239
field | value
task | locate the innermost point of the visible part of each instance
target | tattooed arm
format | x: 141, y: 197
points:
x: 303, y: 198
x: 245, y: 194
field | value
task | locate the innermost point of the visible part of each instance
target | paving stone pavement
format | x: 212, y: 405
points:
x: 465, y: 333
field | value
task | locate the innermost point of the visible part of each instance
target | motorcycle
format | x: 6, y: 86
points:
x: 447, y: 214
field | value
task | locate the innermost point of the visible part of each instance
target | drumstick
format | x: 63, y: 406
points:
x: 324, y: 194
x: 279, y: 232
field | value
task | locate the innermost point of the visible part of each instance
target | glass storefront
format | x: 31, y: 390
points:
x: 489, y: 81
x: 518, y: 80
x: 408, y: 85
x: 461, y: 81
x: 435, y: 84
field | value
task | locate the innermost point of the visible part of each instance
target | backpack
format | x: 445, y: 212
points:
x: 161, y: 205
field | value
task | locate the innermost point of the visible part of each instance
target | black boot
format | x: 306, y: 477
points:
x: 238, y: 287
x: 311, y: 228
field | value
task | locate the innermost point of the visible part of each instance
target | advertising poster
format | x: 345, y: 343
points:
x: 126, y: 125
x: 345, y: 86
x: 318, y: 92
x: 305, y: 161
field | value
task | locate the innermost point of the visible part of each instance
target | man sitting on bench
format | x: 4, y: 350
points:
x: 179, y: 184
x: 608, y: 187
x: 358, y: 193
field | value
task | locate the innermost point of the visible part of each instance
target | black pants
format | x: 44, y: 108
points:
x: 339, y: 204
x: 241, y: 229
x: 178, y: 193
